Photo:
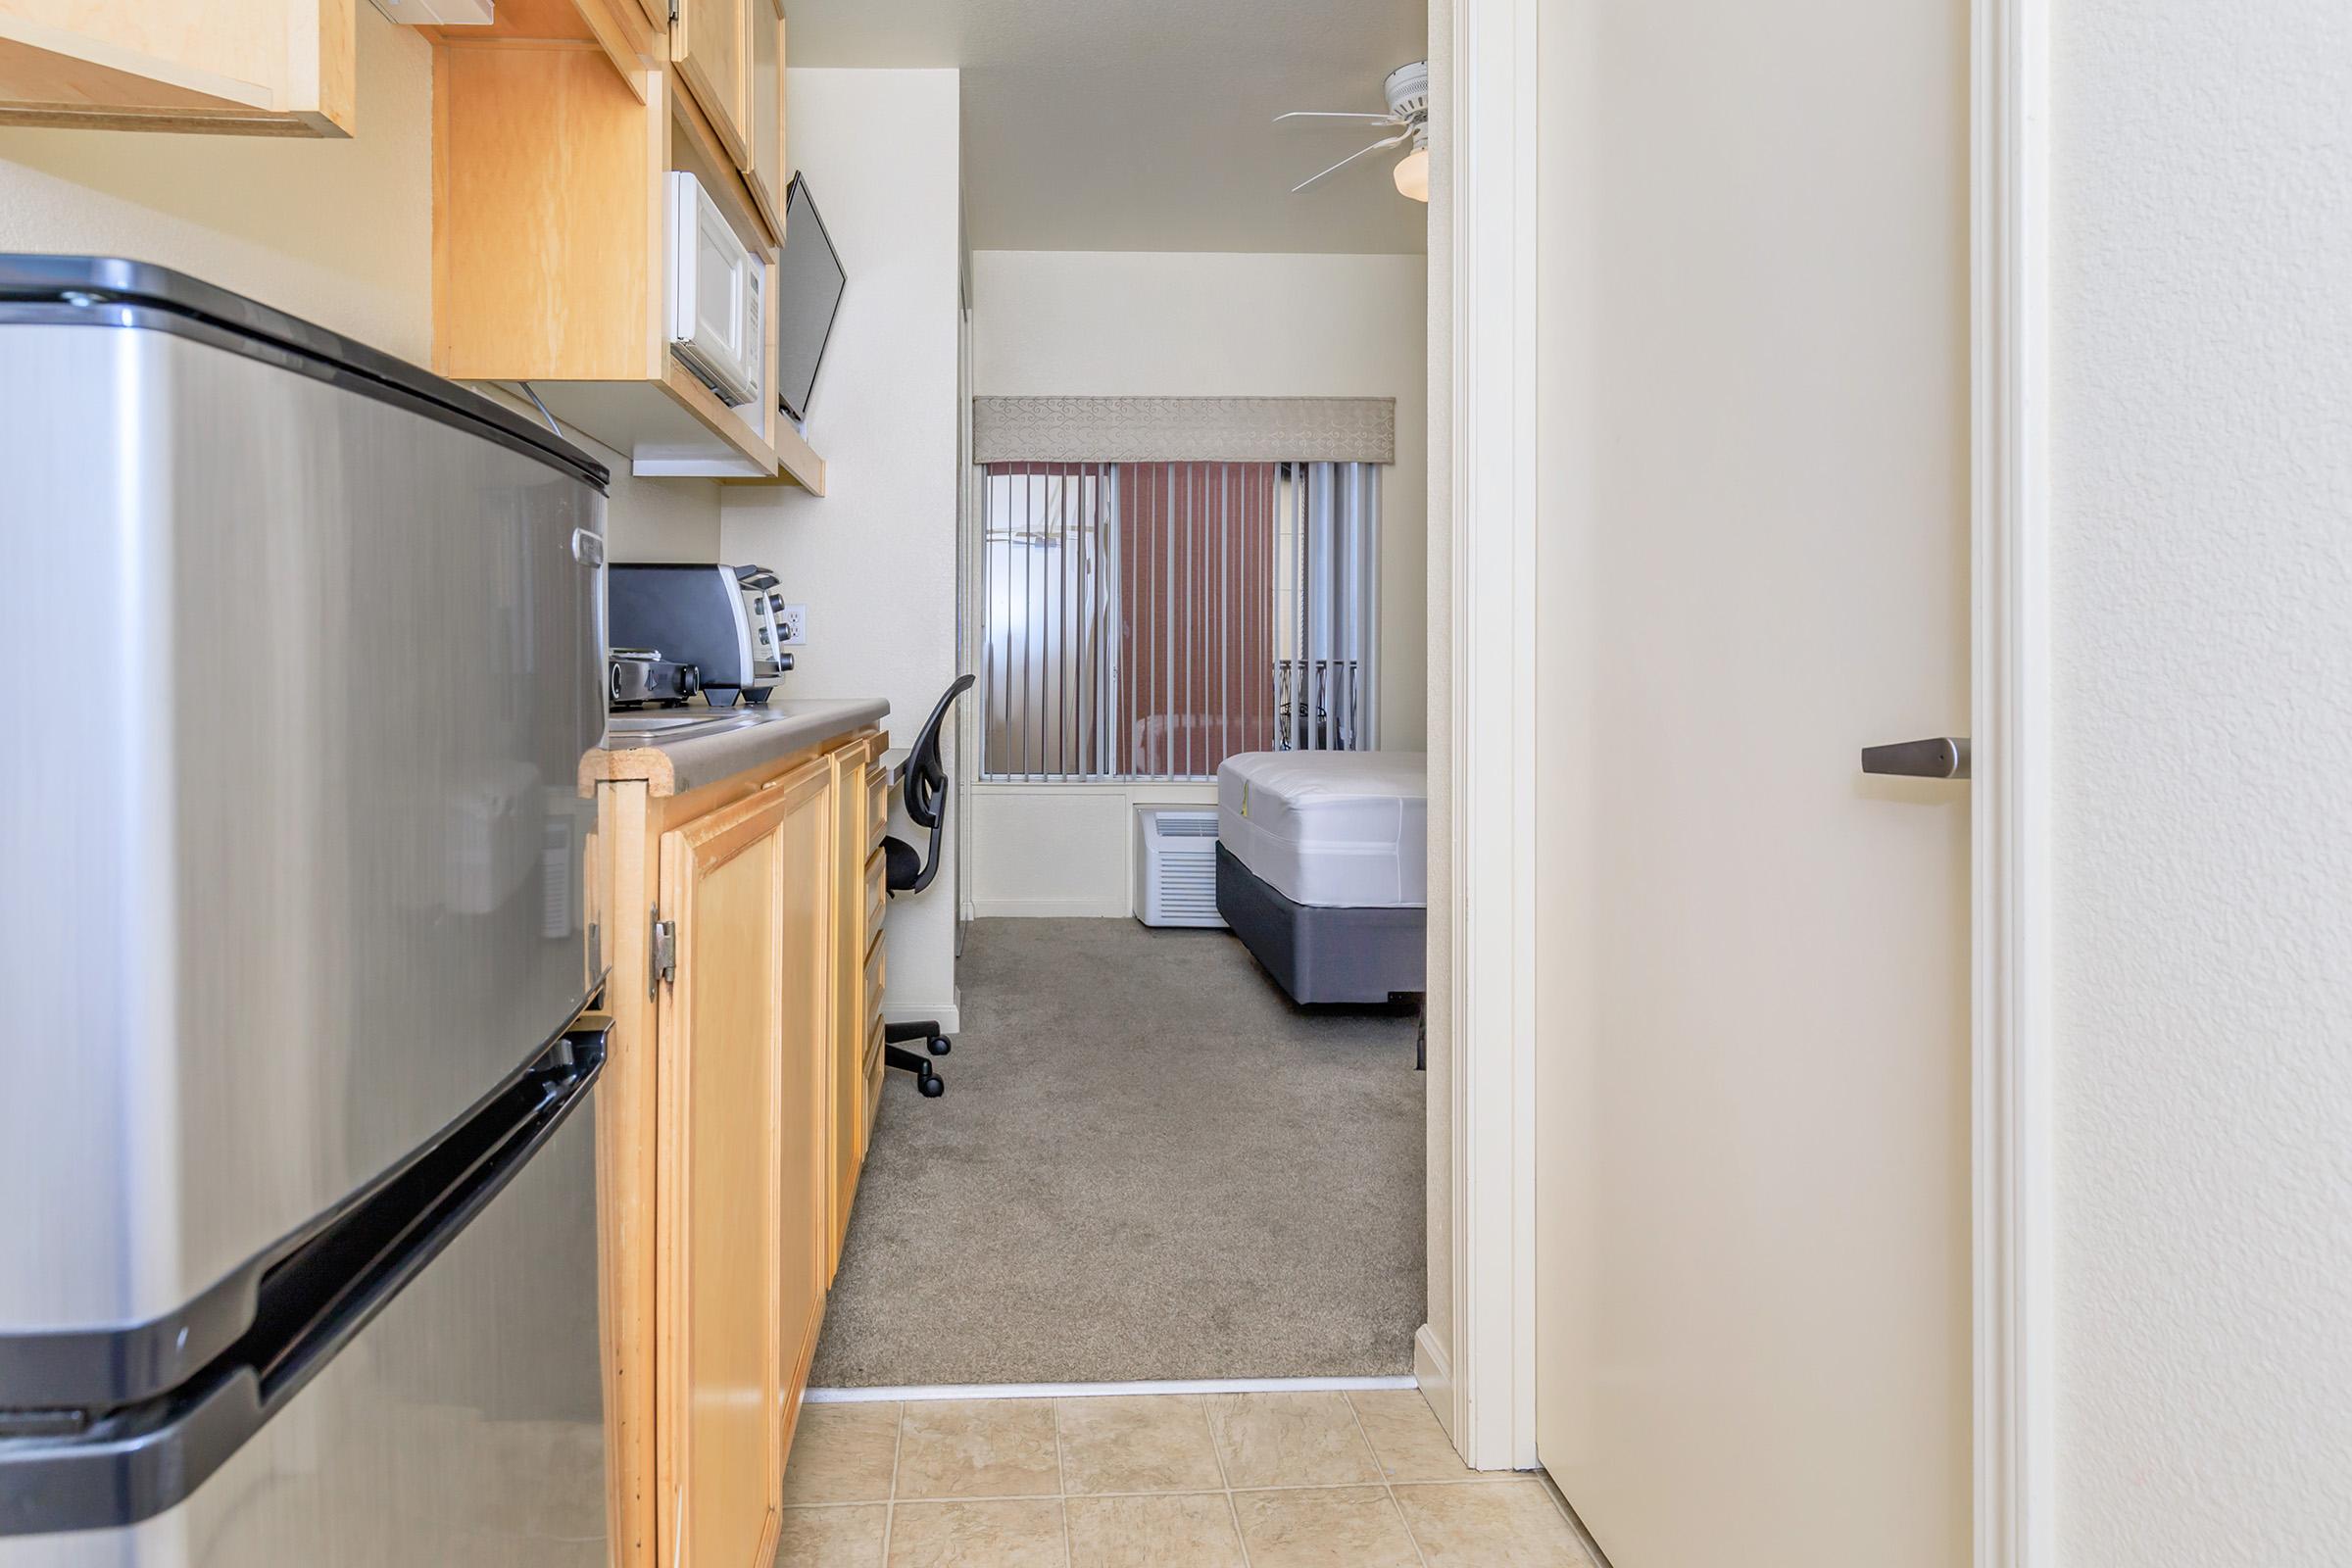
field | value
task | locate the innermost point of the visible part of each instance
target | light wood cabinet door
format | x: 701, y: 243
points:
x: 261, y: 68
x: 767, y: 175
x: 804, y: 1259
x: 721, y: 1018
x: 711, y: 44
x: 847, y: 1034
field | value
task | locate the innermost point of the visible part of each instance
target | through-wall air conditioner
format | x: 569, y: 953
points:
x: 1176, y: 865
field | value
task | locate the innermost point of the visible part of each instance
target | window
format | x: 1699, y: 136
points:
x: 1145, y: 621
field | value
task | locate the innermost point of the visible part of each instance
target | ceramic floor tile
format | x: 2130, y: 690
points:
x: 1146, y: 1442
x: 1193, y: 1530
x: 978, y: 1449
x: 1344, y: 1527
x: 1023, y: 1533
x: 1510, y: 1525
x: 842, y: 1454
x: 1406, y: 1439
x: 849, y: 1537
x: 1290, y: 1440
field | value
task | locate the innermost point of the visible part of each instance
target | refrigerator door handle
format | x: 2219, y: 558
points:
x: 131, y: 1463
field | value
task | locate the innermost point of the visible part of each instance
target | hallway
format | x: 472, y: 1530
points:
x: 1149, y: 1164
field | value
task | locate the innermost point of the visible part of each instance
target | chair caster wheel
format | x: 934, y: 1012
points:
x: 940, y: 1045
x: 932, y: 1085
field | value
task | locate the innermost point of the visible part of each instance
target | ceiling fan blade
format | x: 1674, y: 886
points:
x: 1401, y: 137
x: 1337, y: 114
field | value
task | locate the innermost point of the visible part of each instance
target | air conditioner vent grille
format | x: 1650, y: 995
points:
x: 1176, y: 865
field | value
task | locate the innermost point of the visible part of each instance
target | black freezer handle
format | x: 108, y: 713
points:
x: 142, y: 1459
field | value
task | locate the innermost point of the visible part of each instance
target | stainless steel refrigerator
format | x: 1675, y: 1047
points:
x: 297, y: 1186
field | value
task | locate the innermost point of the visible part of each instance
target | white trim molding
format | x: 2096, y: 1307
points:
x: 2015, y: 1317
x: 917, y: 1392
x: 1493, y: 932
x: 1433, y: 1375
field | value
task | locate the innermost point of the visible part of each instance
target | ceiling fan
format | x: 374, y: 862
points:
x: 1407, y: 89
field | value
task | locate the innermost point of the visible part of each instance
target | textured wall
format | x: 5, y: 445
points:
x: 335, y: 231
x: 2203, y: 559
x: 874, y: 559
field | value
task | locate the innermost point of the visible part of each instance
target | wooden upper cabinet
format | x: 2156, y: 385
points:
x: 711, y: 48
x: 723, y: 881
x: 257, y: 67
x: 767, y: 173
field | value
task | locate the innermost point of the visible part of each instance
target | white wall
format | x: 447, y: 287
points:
x: 874, y: 559
x: 1143, y: 323
x: 335, y: 231
x: 2203, y: 560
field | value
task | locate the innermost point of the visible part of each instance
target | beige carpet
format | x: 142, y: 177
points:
x: 1148, y: 1164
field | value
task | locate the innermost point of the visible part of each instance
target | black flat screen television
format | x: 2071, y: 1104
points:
x: 809, y: 286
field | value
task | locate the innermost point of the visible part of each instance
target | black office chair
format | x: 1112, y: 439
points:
x: 925, y: 784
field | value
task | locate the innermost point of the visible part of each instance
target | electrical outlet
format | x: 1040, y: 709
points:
x: 792, y: 625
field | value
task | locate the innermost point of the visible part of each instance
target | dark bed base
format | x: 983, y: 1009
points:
x: 1322, y: 954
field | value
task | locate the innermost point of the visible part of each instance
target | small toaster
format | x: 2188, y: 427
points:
x: 696, y: 613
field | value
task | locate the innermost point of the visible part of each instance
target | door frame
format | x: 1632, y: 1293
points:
x: 1483, y: 1379
x: 2012, y: 1046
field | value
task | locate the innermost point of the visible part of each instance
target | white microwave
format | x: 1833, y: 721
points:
x: 718, y: 295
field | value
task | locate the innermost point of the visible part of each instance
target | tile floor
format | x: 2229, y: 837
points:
x: 1291, y: 1480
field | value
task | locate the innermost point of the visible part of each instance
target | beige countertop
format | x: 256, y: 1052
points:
x: 680, y: 749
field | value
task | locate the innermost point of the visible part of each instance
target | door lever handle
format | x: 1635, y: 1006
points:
x: 1943, y: 757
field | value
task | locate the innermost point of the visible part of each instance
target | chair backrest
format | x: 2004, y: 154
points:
x: 927, y: 780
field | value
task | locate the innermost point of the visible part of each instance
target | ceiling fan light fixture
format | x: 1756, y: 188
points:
x: 1408, y: 93
x: 1412, y: 175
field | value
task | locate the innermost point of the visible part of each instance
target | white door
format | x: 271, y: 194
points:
x: 1753, y: 1228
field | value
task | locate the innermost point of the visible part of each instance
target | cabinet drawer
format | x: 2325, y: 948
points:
x: 878, y: 895
x: 873, y: 988
x: 873, y: 1078
x: 877, y: 805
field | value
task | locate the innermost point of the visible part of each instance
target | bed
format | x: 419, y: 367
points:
x: 1323, y: 868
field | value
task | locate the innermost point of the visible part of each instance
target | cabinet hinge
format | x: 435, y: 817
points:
x: 663, y: 951
x: 674, y: 13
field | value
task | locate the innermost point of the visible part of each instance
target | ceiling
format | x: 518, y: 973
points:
x: 1146, y: 124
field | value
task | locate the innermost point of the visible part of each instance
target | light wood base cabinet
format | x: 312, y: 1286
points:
x: 856, y: 939
x: 731, y: 1128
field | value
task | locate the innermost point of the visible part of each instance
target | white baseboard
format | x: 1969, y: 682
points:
x: 1050, y: 909
x: 1079, y: 1390
x: 949, y: 1015
x: 1433, y: 1375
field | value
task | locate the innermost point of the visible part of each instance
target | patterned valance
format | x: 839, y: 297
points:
x: 1184, y: 429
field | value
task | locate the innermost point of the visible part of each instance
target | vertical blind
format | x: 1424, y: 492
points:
x: 1149, y: 619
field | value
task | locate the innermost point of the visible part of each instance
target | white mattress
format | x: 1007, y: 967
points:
x: 1338, y: 830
